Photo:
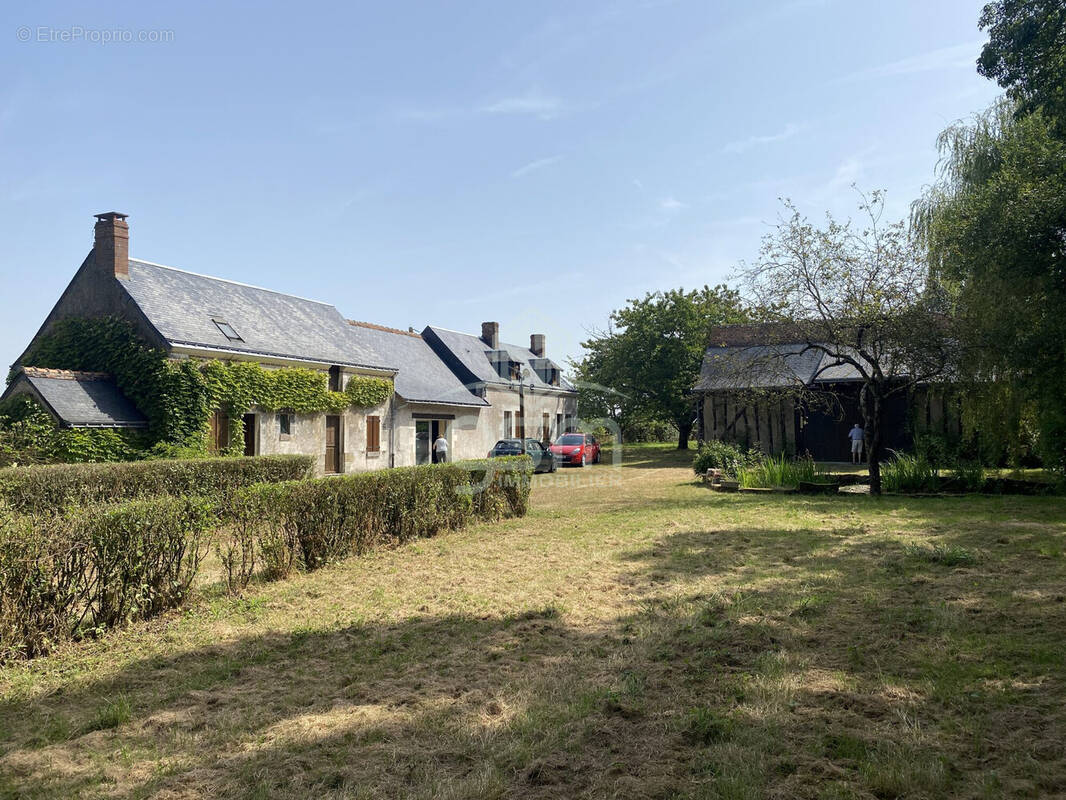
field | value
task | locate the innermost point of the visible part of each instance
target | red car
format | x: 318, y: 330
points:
x: 577, y: 449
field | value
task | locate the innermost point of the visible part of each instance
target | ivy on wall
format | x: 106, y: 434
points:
x: 178, y: 397
x: 171, y: 394
x: 29, y: 435
x: 364, y: 392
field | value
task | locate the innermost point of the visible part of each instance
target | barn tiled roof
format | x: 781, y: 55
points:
x: 79, y: 399
x: 184, y: 307
x: 469, y: 355
x: 422, y: 376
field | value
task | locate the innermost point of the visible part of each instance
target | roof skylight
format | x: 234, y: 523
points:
x: 227, y: 330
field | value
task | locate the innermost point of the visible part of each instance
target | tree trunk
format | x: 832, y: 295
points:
x: 872, y: 422
x: 684, y: 431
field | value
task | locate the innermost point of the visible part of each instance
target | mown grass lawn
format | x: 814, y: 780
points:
x: 639, y: 637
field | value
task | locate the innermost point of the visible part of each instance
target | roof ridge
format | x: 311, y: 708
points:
x: 65, y: 374
x: 502, y: 346
x: 374, y: 326
x: 235, y: 283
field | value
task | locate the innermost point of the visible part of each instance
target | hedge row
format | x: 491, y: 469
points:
x: 304, y: 524
x: 55, y: 487
x: 70, y: 575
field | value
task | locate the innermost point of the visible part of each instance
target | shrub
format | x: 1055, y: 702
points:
x: 235, y: 545
x: 729, y: 458
x: 909, y: 473
x: 779, y: 471
x: 306, y: 524
x: 53, y: 488
x: 70, y: 575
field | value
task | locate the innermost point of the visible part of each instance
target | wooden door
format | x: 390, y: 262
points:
x: 219, y: 435
x: 333, y: 443
x: 249, y: 434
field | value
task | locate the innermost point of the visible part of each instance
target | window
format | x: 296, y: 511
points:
x: 373, y: 434
x: 227, y: 330
x: 546, y: 428
x: 284, y: 424
x: 334, y: 378
x: 559, y: 424
x: 507, y: 425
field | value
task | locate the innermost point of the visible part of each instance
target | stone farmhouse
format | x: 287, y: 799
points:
x: 472, y: 389
x: 747, y: 394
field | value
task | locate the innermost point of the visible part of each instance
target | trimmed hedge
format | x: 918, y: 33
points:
x: 55, y: 487
x: 306, y: 524
x: 75, y: 574
x: 72, y: 574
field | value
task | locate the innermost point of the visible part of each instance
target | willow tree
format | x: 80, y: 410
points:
x: 994, y: 225
x: 859, y: 295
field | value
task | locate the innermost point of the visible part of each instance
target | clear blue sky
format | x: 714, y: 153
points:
x: 533, y: 163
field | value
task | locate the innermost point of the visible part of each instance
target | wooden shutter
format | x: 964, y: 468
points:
x: 373, y: 434
x: 219, y: 436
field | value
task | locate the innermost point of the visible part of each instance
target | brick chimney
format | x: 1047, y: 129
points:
x: 111, y: 245
x: 536, y: 344
x: 490, y: 334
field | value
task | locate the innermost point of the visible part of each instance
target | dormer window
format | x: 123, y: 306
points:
x: 227, y: 330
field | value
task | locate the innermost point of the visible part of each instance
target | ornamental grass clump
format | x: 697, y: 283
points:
x: 907, y: 473
x: 779, y: 471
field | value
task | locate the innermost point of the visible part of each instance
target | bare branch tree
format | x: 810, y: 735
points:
x: 861, y: 296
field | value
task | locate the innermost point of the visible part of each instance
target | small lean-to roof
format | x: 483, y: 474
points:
x: 422, y: 376
x: 470, y: 355
x: 79, y: 399
x: 185, y: 308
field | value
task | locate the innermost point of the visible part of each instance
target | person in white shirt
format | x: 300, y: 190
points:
x: 440, y: 450
x: 856, y: 434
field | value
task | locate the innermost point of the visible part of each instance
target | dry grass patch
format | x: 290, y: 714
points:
x: 635, y: 637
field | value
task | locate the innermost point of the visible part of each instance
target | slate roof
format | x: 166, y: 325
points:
x: 768, y: 366
x: 422, y: 376
x: 183, y: 307
x: 469, y: 357
x: 79, y: 399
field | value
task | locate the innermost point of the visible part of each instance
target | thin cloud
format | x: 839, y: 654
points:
x: 533, y: 166
x: 954, y: 57
x: 671, y: 204
x: 743, y: 145
x: 532, y: 103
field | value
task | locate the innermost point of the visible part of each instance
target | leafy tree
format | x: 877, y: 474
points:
x: 994, y: 224
x: 647, y: 361
x: 859, y: 295
x: 1026, y: 53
